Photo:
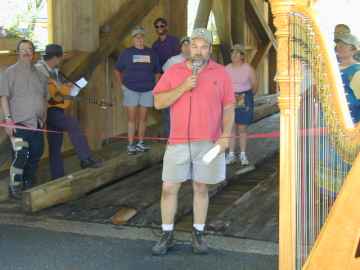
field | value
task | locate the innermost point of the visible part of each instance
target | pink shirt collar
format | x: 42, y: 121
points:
x: 210, y: 65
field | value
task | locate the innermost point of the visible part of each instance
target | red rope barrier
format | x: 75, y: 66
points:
x: 269, y: 135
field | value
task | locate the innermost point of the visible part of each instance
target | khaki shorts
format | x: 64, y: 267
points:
x: 180, y: 166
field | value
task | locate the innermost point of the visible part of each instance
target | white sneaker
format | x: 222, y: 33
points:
x: 230, y: 159
x: 243, y: 159
x: 142, y: 147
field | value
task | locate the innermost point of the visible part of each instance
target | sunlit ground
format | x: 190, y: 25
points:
x: 11, y: 9
x: 331, y: 13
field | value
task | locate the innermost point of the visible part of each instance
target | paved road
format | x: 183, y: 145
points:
x: 29, y: 248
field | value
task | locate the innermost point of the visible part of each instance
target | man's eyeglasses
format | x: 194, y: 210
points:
x: 160, y: 26
x: 26, y: 50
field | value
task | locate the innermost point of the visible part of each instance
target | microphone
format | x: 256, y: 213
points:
x: 196, y: 64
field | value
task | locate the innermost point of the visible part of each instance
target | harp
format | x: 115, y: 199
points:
x: 319, y: 206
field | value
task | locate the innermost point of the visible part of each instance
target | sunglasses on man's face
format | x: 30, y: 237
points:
x: 160, y: 26
x: 27, y: 50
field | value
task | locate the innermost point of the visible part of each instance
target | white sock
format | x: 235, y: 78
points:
x: 242, y: 154
x: 199, y: 227
x: 167, y: 227
x: 231, y: 153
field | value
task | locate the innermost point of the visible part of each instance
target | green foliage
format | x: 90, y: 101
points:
x: 23, y: 24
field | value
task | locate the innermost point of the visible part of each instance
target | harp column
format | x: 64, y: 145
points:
x: 289, y: 105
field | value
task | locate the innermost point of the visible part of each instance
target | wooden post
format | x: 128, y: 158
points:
x: 272, y: 71
x: 261, y: 53
x: 272, y: 58
x: 62, y: 23
x: 131, y: 13
x: 238, y: 21
x: 287, y: 203
x: 50, y: 10
x: 222, y: 13
x: 203, y: 14
x: 258, y: 23
x: 85, y: 26
x: 73, y: 24
x: 178, y: 17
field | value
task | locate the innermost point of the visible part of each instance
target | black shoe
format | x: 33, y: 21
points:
x: 164, y: 244
x: 90, y: 163
x: 199, y: 243
x: 15, y: 191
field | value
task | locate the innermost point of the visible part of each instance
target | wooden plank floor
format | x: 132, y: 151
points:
x: 141, y: 191
x: 237, y: 187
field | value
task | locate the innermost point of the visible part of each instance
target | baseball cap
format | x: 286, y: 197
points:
x: 341, y: 29
x: 183, y: 40
x: 53, y: 50
x: 138, y: 30
x: 202, y: 33
x: 239, y: 48
x: 348, y: 39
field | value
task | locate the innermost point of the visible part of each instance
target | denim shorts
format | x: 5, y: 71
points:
x: 245, y: 110
x: 134, y: 98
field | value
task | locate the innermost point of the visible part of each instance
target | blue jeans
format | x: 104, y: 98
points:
x: 57, y: 120
x: 35, y: 139
x: 166, y: 122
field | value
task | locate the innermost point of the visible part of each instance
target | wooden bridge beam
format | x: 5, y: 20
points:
x: 131, y: 13
x: 72, y: 24
x: 203, y: 13
x: 259, y: 25
x: 222, y: 13
x: 72, y: 187
x: 238, y: 19
x: 261, y: 53
x: 177, y: 17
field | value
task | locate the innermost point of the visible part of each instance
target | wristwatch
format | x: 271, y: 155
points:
x: 7, y: 117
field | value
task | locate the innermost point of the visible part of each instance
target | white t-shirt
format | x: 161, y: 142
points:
x: 173, y: 60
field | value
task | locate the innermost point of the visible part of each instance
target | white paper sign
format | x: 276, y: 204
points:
x: 75, y: 90
x: 211, y: 154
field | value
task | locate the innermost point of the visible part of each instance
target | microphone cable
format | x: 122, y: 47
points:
x: 196, y: 65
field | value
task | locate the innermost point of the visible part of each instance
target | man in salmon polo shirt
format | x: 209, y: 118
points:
x: 201, y: 100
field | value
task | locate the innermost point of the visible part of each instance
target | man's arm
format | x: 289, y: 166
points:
x: 167, y: 98
x: 4, y: 96
x: 166, y: 65
x: 6, y: 110
x: 254, y: 83
x: 43, y: 120
x: 5, y: 105
x: 118, y: 76
x: 228, y: 122
x: 45, y: 100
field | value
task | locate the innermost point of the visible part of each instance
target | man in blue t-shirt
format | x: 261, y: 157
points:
x: 166, y: 46
x: 137, y: 70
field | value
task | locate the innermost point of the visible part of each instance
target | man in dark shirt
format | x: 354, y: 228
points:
x: 166, y: 46
x: 58, y: 120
